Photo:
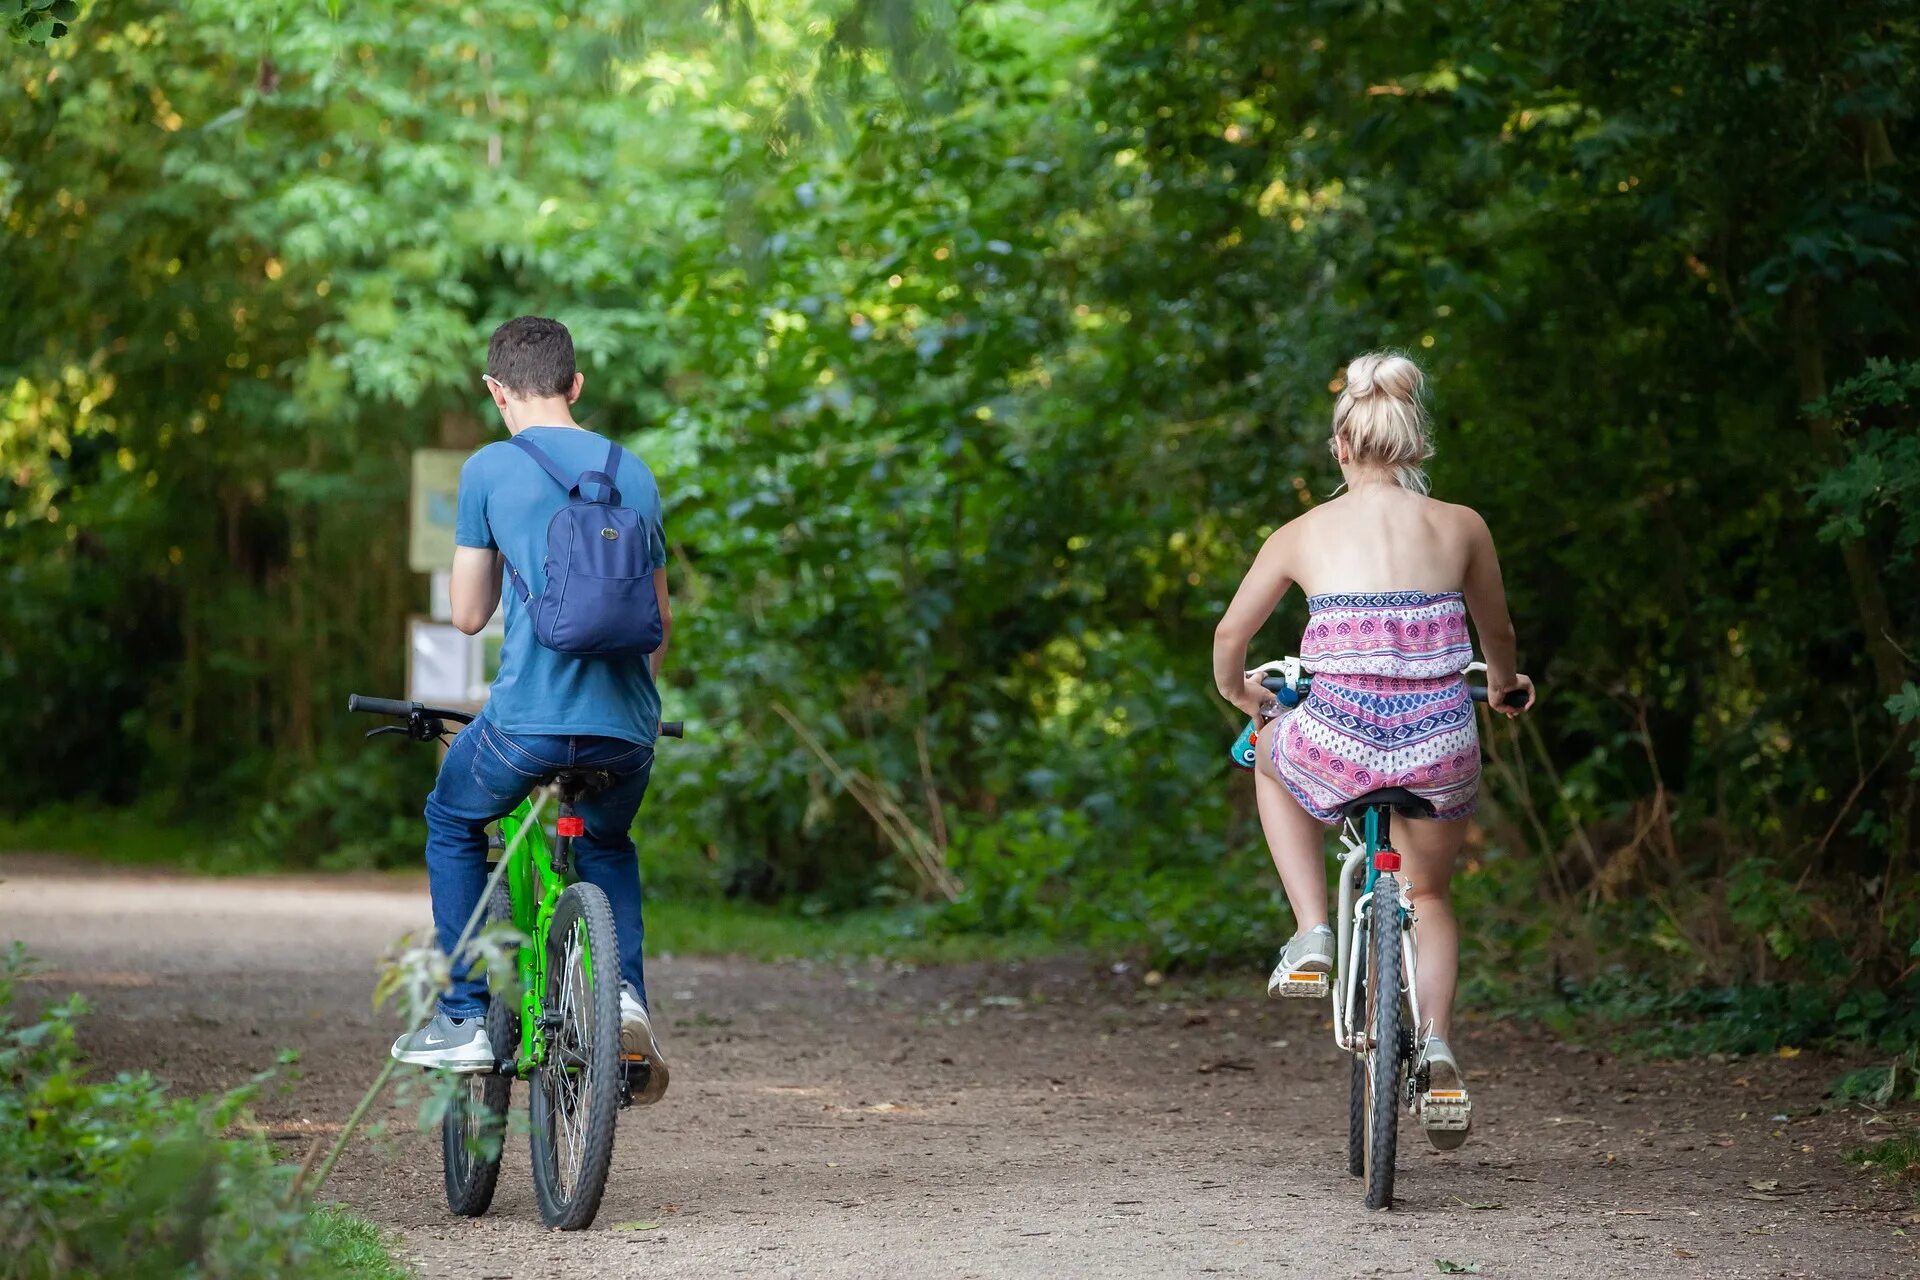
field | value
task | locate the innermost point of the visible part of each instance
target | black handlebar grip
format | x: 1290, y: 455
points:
x: 1274, y: 684
x: 378, y: 706
x: 1516, y: 698
x: 673, y: 729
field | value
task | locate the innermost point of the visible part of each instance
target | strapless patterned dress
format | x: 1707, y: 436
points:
x: 1388, y: 706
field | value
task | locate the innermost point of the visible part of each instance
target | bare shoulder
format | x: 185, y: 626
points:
x: 1461, y: 519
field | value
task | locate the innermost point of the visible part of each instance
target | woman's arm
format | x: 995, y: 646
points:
x: 1260, y: 591
x: 1487, y: 601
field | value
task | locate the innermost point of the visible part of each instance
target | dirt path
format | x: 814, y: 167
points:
x: 1042, y: 1120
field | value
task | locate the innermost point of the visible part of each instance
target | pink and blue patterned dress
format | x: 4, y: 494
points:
x: 1388, y: 706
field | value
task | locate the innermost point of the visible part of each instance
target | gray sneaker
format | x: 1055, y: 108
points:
x: 449, y: 1044
x: 1445, y: 1110
x: 637, y: 1042
x: 1305, y: 962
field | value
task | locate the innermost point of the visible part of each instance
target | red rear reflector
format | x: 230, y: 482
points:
x: 578, y: 827
x: 1386, y: 860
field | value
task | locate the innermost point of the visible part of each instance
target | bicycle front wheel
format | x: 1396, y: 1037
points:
x: 475, y: 1125
x: 576, y: 1091
x: 1388, y: 1023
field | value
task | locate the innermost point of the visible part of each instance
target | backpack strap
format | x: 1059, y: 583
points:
x: 534, y: 451
x: 526, y: 596
x: 606, y: 478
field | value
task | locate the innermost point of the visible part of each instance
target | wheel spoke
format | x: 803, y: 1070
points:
x: 569, y: 1072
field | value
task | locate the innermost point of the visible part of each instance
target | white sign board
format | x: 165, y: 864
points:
x: 440, y: 663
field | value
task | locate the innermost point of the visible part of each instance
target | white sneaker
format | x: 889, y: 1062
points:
x: 1445, y: 1109
x: 636, y: 1041
x: 1304, y: 964
x: 447, y: 1044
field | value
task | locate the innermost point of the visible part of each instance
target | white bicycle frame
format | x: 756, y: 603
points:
x: 1349, y: 1029
x: 1351, y: 935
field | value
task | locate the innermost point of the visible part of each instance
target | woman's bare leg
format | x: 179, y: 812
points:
x: 1427, y: 852
x: 1298, y: 843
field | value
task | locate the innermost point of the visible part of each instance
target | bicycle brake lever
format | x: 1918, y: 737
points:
x: 385, y: 728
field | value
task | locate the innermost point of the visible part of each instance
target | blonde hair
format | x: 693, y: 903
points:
x: 1382, y: 416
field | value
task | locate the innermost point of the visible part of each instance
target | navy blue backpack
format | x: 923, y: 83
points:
x: 599, y: 599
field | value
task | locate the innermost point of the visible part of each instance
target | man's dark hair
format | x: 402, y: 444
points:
x: 532, y: 356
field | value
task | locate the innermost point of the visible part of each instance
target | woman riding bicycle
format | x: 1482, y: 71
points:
x: 1390, y: 576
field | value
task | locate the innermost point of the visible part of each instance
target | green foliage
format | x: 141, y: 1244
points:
x: 349, y: 1248
x: 114, y: 1178
x: 339, y: 815
x: 1897, y: 1157
x: 38, y: 21
x: 972, y: 390
x: 1881, y: 1086
x: 1881, y: 474
x: 1904, y: 707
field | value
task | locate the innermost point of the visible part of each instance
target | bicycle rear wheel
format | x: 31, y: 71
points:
x: 576, y: 1091
x: 1357, y: 1117
x: 1385, y: 1017
x: 474, y: 1129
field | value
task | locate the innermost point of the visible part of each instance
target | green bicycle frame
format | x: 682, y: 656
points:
x: 534, y: 887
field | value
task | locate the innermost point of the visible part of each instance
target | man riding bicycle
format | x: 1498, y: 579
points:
x: 552, y: 706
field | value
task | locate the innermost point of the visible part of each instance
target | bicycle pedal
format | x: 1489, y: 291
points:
x: 1445, y: 1109
x: 1304, y: 984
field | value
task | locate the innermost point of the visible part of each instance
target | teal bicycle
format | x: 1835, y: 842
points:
x: 1376, y: 1006
x: 555, y: 1021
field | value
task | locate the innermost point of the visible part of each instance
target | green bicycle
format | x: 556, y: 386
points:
x: 558, y: 1027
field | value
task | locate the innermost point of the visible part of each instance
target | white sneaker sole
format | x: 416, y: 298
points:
x: 1304, y: 982
x: 466, y: 1060
x: 1309, y: 978
x: 1446, y: 1110
x: 637, y: 1044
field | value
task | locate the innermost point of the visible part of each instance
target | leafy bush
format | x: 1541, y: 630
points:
x: 358, y: 812
x: 115, y: 1178
x: 38, y: 21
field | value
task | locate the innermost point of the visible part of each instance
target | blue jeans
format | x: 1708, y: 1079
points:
x: 486, y: 774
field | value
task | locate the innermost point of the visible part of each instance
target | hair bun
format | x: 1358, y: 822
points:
x: 1384, y: 373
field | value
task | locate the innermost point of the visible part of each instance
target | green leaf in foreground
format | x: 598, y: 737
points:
x: 636, y: 1226
x: 1457, y: 1268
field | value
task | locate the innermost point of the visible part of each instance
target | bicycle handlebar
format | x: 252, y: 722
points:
x: 380, y: 706
x: 410, y: 710
x: 403, y: 709
x: 1289, y: 693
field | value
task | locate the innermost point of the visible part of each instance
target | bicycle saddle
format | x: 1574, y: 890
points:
x: 574, y: 783
x: 1399, y: 799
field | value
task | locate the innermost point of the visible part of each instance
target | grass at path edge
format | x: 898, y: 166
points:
x: 351, y: 1248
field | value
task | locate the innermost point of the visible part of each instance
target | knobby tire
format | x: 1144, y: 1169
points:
x: 474, y: 1128
x: 1387, y: 1017
x: 573, y: 1110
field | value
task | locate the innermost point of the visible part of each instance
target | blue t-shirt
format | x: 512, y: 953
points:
x: 506, y: 503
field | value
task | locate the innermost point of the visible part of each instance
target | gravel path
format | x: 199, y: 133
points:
x: 1038, y: 1120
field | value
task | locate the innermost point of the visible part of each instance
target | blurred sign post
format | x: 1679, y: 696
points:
x: 436, y: 500
x: 445, y: 667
